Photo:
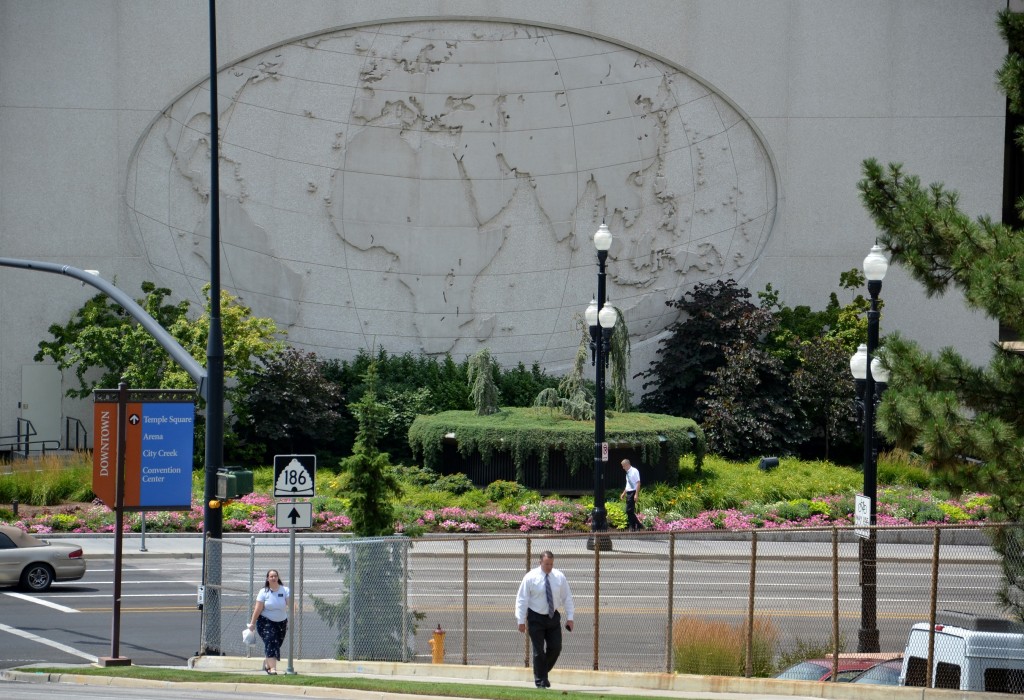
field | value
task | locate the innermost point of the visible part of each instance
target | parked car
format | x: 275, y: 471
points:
x: 882, y: 673
x: 970, y: 652
x: 34, y: 564
x: 821, y: 669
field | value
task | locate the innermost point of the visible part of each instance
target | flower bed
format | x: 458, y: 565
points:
x: 256, y: 513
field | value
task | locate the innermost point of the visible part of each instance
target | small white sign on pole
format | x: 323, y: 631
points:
x: 862, y: 516
x: 604, y: 451
x: 294, y: 515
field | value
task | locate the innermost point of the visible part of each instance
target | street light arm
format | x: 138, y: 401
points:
x: 166, y: 340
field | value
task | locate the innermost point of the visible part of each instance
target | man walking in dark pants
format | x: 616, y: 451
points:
x: 542, y: 592
x: 630, y: 493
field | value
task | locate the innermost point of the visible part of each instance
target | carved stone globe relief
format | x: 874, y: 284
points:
x: 434, y: 186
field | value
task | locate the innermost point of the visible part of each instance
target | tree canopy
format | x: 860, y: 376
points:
x: 968, y: 421
x: 103, y: 344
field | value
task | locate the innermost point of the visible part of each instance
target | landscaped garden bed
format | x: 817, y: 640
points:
x: 723, y: 496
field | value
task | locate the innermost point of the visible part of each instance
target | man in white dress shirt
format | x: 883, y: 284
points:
x: 542, y: 592
x: 630, y: 493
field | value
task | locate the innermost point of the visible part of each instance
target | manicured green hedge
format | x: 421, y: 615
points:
x: 532, y: 432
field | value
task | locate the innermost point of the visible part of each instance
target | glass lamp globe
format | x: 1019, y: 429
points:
x: 875, y: 264
x: 878, y: 372
x: 608, y: 316
x: 603, y: 238
x: 591, y: 313
x: 859, y: 362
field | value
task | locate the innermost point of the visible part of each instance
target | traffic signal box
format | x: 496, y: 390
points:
x: 233, y: 482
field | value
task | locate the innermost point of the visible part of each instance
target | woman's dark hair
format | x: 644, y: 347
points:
x: 272, y: 571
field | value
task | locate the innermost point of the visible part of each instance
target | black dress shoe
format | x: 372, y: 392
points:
x: 539, y: 684
x: 547, y: 683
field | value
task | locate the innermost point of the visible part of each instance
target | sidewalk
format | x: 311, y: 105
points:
x: 599, y: 683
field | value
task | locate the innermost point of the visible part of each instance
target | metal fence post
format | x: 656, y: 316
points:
x: 597, y: 603
x: 749, y: 670
x: 351, y: 602
x: 933, y: 603
x: 671, y: 597
x: 252, y: 570
x: 835, y: 602
x: 465, y: 601
x: 142, y: 542
x: 405, y: 600
x: 526, y: 637
x: 302, y: 579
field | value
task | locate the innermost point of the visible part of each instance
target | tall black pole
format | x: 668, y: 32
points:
x: 599, y: 518
x: 213, y: 522
x: 122, y: 449
x: 867, y: 638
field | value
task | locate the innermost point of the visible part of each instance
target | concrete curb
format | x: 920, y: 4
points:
x: 597, y: 682
x: 242, y: 689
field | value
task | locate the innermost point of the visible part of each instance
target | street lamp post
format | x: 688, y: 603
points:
x: 866, y: 370
x: 601, y: 320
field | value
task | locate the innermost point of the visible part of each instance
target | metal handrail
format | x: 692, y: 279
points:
x: 80, y: 432
x: 21, y: 441
x: 28, y: 427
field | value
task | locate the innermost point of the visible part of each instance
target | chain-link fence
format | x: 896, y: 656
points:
x: 650, y: 601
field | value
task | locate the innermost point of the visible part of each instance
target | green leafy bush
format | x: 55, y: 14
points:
x: 616, y: 515
x: 427, y: 499
x: 800, y: 509
x: 330, y: 504
x: 237, y: 510
x: 417, y: 475
x: 501, y: 490
x: 457, y: 484
x: 474, y: 500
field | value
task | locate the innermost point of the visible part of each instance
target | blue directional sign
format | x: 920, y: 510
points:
x: 164, y: 434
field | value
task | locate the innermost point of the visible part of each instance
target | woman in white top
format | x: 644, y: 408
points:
x: 270, y: 618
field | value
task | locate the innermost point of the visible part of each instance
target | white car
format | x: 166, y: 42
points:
x: 34, y: 564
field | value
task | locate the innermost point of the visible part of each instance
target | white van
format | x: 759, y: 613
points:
x: 971, y: 653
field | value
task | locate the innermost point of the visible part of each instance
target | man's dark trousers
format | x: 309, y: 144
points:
x: 546, y: 637
x: 631, y: 520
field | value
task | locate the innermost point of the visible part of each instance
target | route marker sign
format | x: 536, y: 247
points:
x: 297, y: 515
x: 294, y: 475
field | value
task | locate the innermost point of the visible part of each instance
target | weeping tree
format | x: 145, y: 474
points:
x: 620, y: 350
x: 572, y: 396
x: 483, y: 389
x: 372, y: 617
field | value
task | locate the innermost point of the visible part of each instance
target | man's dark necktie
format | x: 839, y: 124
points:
x: 550, y: 598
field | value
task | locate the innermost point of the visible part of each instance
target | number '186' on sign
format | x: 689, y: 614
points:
x: 294, y: 476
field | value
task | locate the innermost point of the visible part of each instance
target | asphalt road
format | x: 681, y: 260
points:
x: 73, y: 622
x: 160, y: 624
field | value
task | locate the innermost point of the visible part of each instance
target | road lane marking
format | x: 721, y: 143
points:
x: 48, y: 642
x: 40, y: 601
x: 123, y: 595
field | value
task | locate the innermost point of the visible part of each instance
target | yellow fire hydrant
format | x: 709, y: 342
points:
x: 437, y: 646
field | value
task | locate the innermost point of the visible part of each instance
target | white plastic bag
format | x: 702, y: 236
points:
x: 249, y: 636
